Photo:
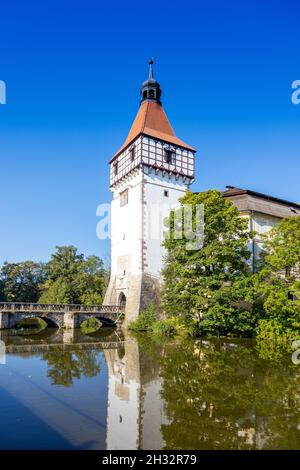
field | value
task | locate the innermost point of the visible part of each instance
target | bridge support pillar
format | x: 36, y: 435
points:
x: 69, y: 320
x: 68, y: 336
x: 4, y: 320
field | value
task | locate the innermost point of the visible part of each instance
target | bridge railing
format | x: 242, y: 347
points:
x: 58, y: 308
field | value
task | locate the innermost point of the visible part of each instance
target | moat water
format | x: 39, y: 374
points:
x: 65, y: 390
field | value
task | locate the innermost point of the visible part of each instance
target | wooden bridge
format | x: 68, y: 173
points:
x: 59, y: 315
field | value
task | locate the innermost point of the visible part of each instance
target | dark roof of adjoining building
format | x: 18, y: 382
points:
x: 233, y: 191
x: 247, y: 200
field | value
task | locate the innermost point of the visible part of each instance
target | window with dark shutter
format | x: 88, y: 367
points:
x: 132, y: 153
x: 169, y: 156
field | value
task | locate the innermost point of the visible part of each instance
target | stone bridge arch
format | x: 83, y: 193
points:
x: 60, y: 316
x: 52, y: 320
x: 106, y: 321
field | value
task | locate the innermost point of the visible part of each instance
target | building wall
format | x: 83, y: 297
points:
x: 161, y: 195
x: 153, y: 155
x: 126, y: 226
x: 125, y: 163
x: 261, y: 224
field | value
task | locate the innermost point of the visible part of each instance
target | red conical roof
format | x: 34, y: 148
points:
x: 151, y: 121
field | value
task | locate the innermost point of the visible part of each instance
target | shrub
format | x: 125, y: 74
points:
x: 274, y: 329
x: 145, y: 320
x: 168, y: 327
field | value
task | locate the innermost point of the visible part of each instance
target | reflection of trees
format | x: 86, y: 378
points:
x: 65, y: 366
x: 221, y: 395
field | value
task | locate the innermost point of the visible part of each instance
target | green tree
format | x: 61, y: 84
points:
x: 92, y: 281
x: 280, y: 281
x: 2, y: 294
x: 207, y: 287
x: 21, y: 282
x: 63, y: 268
x: 72, y: 278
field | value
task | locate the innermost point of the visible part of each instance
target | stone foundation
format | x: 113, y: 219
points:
x: 140, y: 292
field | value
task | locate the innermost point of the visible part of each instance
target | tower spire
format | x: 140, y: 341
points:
x: 151, y: 62
x: 150, y: 90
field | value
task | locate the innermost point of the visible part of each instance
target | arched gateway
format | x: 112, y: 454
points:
x: 122, y: 300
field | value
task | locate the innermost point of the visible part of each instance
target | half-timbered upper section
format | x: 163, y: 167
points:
x: 152, y: 141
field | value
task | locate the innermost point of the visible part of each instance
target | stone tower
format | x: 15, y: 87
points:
x: 148, y: 175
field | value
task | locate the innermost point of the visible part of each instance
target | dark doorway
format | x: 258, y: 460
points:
x: 122, y: 300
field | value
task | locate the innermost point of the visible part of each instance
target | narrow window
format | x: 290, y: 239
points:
x: 166, y: 193
x: 116, y: 168
x: 151, y: 93
x: 169, y: 156
x: 132, y: 153
x: 124, y: 198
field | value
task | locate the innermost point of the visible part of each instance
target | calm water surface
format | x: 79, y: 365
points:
x: 105, y: 391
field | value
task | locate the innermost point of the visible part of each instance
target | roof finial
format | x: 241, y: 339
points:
x: 151, y: 62
x: 150, y: 90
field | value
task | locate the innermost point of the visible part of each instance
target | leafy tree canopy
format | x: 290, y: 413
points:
x: 207, y: 285
x: 22, y: 282
x: 72, y: 278
x: 68, y: 277
x: 280, y: 281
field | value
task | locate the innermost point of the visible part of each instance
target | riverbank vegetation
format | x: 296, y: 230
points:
x: 212, y: 291
x: 68, y: 278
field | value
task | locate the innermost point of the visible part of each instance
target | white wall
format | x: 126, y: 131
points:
x: 262, y: 224
x: 126, y: 227
x: 157, y: 208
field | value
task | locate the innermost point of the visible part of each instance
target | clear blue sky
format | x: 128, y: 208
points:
x: 73, y: 70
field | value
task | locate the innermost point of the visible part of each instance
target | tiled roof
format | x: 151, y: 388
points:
x: 151, y: 120
x: 233, y: 191
x: 248, y: 201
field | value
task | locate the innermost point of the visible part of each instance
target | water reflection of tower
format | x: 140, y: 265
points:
x: 135, y: 408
